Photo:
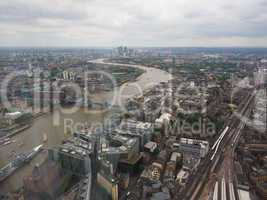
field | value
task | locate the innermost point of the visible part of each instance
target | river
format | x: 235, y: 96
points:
x: 55, y: 132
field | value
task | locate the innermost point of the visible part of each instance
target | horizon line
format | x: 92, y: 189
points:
x: 129, y: 46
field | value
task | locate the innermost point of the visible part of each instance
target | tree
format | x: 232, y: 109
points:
x: 24, y: 118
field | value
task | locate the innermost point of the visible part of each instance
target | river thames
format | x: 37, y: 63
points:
x: 45, y: 125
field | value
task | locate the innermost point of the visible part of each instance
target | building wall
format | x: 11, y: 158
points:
x: 111, y: 188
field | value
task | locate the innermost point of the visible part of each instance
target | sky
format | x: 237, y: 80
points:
x: 150, y: 23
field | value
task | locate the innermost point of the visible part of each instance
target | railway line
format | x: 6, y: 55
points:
x: 228, y: 138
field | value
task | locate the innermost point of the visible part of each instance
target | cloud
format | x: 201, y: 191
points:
x: 133, y: 22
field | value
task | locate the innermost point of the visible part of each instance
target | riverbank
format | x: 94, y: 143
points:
x: 45, y: 124
x: 150, y: 78
x: 17, y: 128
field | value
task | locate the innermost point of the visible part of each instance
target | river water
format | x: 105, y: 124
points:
x: 55, y: 132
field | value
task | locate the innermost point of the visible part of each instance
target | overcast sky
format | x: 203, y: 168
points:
x: 133, y: 23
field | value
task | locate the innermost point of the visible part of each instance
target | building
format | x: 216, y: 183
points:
x: 126, y: 147
x: 106, y: 179
x: 69, y: 75
x: 12, y: 116
x: 150, y: 147
x: 160, y: 196
x: 73, y: 157
x: 152, y: 107
x: 141, y: 130
x: 123, y: 151
x: 193, y: 151
x: 176, y: 158
x: 46, y: 180
x: 163, y: 123
x: 260, y: 185
x: 197, y: 148
x: 169, y: 173
x: 182, y: 176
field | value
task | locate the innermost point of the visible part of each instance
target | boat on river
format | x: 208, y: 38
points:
x: 45, y: 138
x: 19, y: 161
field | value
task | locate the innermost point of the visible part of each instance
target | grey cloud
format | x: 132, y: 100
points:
x: 25, y: 12
x: 102, y: 22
